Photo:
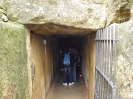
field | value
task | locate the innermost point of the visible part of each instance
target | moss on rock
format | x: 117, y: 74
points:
x: 13, y: 58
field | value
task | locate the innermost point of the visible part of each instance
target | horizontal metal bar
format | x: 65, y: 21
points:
x: 104, y: 76
x: 106, y: 39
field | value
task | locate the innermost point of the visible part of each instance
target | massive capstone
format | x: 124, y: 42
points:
x: 88, y: 14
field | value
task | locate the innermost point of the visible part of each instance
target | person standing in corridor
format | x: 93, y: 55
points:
x: 67, y: 67
x: 76, y: 61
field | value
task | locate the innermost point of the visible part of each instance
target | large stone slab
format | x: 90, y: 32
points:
x: 88, y: 14
x: 13, y: 62
x: 124, y: 72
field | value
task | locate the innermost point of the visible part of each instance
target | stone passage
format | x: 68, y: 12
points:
x: 76, y: 91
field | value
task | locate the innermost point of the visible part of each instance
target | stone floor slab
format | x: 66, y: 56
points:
x: 76, y: 91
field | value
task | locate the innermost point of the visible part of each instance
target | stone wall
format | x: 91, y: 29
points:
x: 87, y: 14
x: 42, y: 64
x: 88, y: 62
x: 37, y: 66
x: 51, y: 61
x: 13, y: 62
x: 125, y: 60
x: 131, y: 11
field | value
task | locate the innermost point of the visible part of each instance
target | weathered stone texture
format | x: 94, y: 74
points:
x: 125, y: 60
x: 45, y: 64
x: 90, y: 14
x: 38, y: 67
x: 13, y: 58
x: 87, y: 14
x: 132, y: 11
x: 88, y: 62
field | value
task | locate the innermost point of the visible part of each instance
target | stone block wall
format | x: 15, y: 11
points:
x: 42, y: 63
x: 37, y: 66
x: 13, y: 62
x: 51, y: 61
x: 88, y: 62
x: 124, y: 72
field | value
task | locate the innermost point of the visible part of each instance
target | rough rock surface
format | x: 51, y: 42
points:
x: 13, y: 62
x: 89, y: 14
x: 64, y: 16
x: 131, y: 12
x: 125, y: 60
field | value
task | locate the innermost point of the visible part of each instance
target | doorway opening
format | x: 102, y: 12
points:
x: 44, y: 44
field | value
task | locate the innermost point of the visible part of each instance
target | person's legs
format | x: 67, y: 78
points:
x: 74, y: 72
x: 65, y: 76
x: 70, y: 75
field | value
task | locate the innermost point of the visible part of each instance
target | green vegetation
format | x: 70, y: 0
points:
x: 13, y: 58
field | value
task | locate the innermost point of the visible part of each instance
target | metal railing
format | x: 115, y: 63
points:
x: 105, y: 69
